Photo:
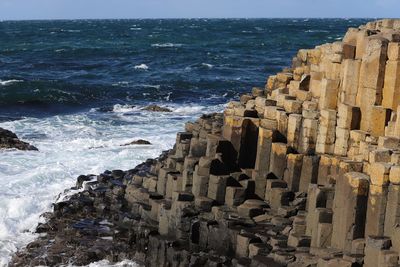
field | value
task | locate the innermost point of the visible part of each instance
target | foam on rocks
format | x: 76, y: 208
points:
x: 303, y: 172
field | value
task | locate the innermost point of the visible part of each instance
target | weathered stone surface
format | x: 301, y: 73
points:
x: 349, y: 209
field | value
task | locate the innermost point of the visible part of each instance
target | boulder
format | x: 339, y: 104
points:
x: 10, y: 140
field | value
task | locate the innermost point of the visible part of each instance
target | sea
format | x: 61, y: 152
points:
x: 75, y: 89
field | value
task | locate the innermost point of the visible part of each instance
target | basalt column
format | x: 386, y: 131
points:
x: 349, y: 209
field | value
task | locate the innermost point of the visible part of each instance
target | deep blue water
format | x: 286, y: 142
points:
x: 50, y: 67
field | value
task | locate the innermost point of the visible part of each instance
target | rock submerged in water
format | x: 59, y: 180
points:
x: 137, y: 142
x: 9, y: 139
x: 156, y: 108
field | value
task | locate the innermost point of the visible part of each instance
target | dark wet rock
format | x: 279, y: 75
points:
x: 96, y: 147
x: 42, y: 228
x: 10, y: 140
x: 103, y: 178
x: 137, y: 142
x: 81, y: 179
x: 118, y: 174
x: 107, y: 109
x: 157, y: 108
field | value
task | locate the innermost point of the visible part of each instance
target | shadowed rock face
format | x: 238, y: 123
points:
x: 10, y: 140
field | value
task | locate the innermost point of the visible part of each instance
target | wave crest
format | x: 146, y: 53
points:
x: 9, y: 82
x: 166, y: 45
x: 141, y: 67
x: 209, y: 66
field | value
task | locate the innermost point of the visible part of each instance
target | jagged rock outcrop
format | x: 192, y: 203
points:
x: 303, y: 172
x: 138, y: 142
x: 10, y: 140
x: 156, y: 108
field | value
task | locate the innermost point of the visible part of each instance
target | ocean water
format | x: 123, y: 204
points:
x: 75, y: 90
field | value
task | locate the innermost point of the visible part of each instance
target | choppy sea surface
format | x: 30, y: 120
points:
x: 75, y: 90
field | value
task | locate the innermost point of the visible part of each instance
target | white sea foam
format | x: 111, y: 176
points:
x: 312, y: 31
x: 72, y: 31
x: 210, y: 66
x: 122, y: 83
x: 195, y: 109
x: 142, y: 67
x: 118, y: 108
x: 9, y: 82
x: 105, y: 263
x: 156, y: 86
x: 166, y: 45
x: 70, y: 145
x: 215, y: 96
x: 167, y: 98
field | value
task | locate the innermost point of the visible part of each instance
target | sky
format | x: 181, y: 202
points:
x: 109, y: 9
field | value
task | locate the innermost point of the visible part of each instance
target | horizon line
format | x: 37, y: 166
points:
x: 189, y: 18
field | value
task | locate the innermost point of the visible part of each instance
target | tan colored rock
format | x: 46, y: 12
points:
x: 351, y: 36
x: 379, y: 173
x: 278, y: 159
x: 337, y: 262
x: 315, y: 83
x: 217, y: 188
x: 394, y: 51
x: 394, y: 175
x: 242, y: 244
x: 282, y: 119
x: 235, y: 195
x: 348, y: 117
x: 376, y: 210
x: 373, y: 249
x: 270, y: 112
x: 392, y: 214
x: 388, y: 142
x: 372, y: 73
x: 292, y: 106
x: 391, y: 88
x: 292, y: 172
x: 294, y: 128
x: 378, y: 120
x: 200, y: 184
x: 271, y: 83
x: 329, y: 94
x: 309, y: 172
x: 361, y: 43
x: 350, y: 74
x: 349, y: 209
x: 342, y: 141
x: 379, y: 155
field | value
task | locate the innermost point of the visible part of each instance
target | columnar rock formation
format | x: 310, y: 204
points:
x: 303, y: 172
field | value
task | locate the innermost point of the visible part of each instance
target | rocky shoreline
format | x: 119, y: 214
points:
x: 303, y: 172
x: 9, y: 140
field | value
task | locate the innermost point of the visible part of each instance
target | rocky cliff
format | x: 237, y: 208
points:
x: 303, y: 172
